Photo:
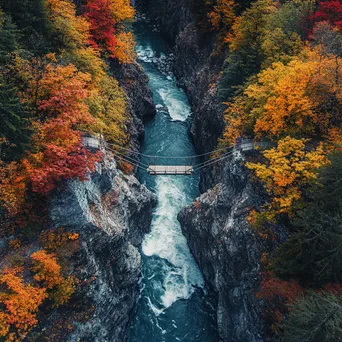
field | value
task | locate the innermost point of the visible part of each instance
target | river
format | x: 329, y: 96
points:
x: 174, y: 305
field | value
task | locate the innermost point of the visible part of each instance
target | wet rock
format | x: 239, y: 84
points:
x: 227, y: 250
x: 111, y: 212
x: 196, y: 65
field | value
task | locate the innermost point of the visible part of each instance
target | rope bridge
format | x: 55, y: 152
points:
x: 170, y: 165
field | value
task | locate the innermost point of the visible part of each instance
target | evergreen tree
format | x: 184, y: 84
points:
x: 315, y: 318
x: 314, y: 252
x: 8, y: 37
x: 14, y: 131
x: 30, y: 18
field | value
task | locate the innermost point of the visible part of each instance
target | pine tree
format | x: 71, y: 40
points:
x: 14, y: 131
x: 8, y: 37
x: 315, y: 318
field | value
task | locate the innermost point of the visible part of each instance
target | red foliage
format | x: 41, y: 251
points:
x: 272, y: 287
x: 99, y: 15
x: 330, y: 11
x: 333, y: 288
x: 59, y: 161
x: 59, y: 154
x: 277, y: 294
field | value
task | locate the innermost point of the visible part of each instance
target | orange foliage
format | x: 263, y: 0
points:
x: 59, y: 241
x: 47, y: 269
x: 12, y: 187
x: 127, y: 168
x: 59, y: 93
x: 48, y: 272
x: 21, y: 302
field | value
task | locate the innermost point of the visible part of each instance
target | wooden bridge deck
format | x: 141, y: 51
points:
x: 170, y: 170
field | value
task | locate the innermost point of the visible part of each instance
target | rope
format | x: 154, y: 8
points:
x: 130, y: 158
x: 213, y: 161
x: 137, y: 165
x: 162, y: 157
x: 144, y: 166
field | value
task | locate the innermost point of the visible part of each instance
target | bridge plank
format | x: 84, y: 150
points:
x: 170, y: 170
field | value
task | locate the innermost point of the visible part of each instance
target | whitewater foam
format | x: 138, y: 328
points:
x: 167, y: 242
x: 173, y: 98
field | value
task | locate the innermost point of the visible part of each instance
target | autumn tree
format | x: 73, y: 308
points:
x: 107, y: 32
x: 13, y: 183
x: 70, y: 31
x: 222, y: 18
x: 21, y: 302
x: 58, y: 93
x: 301, y: 98
x: 330, y: 11
x: 49, y: 273
x: 287, y: 169
x: 108, y: 104
x: 278, y: 294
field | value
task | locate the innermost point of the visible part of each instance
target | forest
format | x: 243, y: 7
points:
x: 281, y: 83
x: 56, y: 82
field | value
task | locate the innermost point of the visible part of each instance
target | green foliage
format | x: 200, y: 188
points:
x: 246, y: 55
x: 8, y: 37
x: 30, y: 18
x: 314, y: 253
x: 315, y: 318
x: 290, y: 17
x: 14, y: 130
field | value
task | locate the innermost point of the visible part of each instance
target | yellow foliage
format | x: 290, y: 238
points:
x: 279, y: 47
x: 251, y: 25
x: 289, y: 168
x: 122, y: 10
x: 288, y: 99
x: 72, y: 30
x: 21, y: 302
x: 108, y: 104
x: 125, y: 47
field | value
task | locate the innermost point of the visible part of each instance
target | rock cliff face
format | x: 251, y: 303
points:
x: 135, y: 83
x: 111, y: 212
x: 196, y: 65
x: 227, y: 250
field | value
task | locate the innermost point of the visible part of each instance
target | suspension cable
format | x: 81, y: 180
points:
x: 127, y: 157
x: 210, y: 161
x: 213, y: 161
x: 135, y: 164
x: 163, y: 157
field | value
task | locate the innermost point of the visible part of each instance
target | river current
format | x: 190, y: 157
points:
x: 174, y: 304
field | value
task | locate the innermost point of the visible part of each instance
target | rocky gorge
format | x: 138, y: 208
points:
x: 111, y: 212
x: 215, y: 225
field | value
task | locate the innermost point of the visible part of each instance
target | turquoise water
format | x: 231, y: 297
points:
x: 174, y: 305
